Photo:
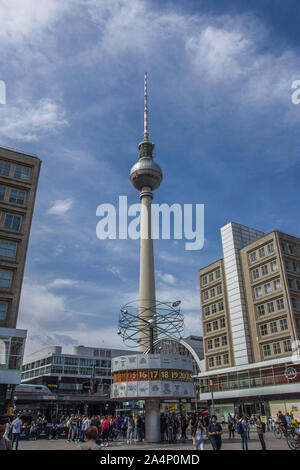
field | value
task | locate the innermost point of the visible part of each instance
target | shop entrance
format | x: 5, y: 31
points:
x: 252, y: 408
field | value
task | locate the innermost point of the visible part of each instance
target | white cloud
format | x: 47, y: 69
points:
x: 165, y: 277
x: 20, y: 20
x: 63, y: 283
x: 28, y: 122
x: 61, y: 207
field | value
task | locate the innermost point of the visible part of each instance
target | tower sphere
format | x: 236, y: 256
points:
x: 146, y: 172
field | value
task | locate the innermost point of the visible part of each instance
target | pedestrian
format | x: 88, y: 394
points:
x: 16, y: 431
x: 4, y: 441
x: 91, y: 437
x: 139, y: 429
x: 130, y: 429
x: 183, y: 427
x: 260, y: 428
x: 242, y: 429
x: 230, y: 426
x: 214, y: 432
x: 197, y: 435
x: 105, y: 430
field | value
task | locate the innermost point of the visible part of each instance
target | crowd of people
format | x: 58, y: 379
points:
x: 96, y: 431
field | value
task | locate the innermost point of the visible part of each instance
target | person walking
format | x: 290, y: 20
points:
x: 4, y: 441
x: 230, y: 426
x: 242, y: 429
x: 16, y: 431
x: 105, y: 430
x: 197, y: 435
x: 130, y: 429
x: 214, y: 432
x: 260, y: 428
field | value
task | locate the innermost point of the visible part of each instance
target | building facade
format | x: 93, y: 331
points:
x: 257, y: 286
x: 83, y: 377
x: 19, y: 174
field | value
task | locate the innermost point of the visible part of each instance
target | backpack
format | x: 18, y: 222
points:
x: 239, y: 428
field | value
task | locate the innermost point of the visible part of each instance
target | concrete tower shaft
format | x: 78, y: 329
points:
x: 146, y: 176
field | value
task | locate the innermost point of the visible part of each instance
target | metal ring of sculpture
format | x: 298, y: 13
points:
x: 167, y: 320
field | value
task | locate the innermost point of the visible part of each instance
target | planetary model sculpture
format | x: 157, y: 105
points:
x: 150, y: 377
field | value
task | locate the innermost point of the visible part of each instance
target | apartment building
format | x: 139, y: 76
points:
x: 19, y: 174
x: 250, y: 344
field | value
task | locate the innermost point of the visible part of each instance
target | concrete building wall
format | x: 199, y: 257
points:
x: 234, y: 237
x: 215, y: 317
x: 19, y: 175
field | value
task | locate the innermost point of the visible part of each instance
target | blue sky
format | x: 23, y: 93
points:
x: 221, y: 116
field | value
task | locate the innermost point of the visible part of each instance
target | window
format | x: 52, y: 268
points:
x: 3, y: 310
x: 295, y: 303
x: 208, y: 327
x: 258, y: 292
x: 291, y: 283
x: 4, y: 168
x: 292, y: 249
x: 270, y: 307
x: 204, y: 280
x: 206, y: 311
x: 296, y: 267
x: 213, y: 308
x: 261, y: 310
x: 22, y: 172
x: 273, y: 327
x: 222, y: 323
x: 280, y: 304
x: 211, y: 277
x: 277, y: 284
x: 273, y: 265
x: 211, y: 361
x: 287, y: 347
x: 218, y: 274
x: 253, y: 256
x: 298, y: 323
x: 264, y: 270
x: 217, y: 342
x: 12, y: 221
x: 287, y: 265
x: 267, y: 288
x: 16, y: 196
x: 224, y: 340
x: 298, y: 284
x: 261, y: 252
x: 221, y: 306
x: 270, y: 248
x: 225, y: 359
x: 276, y: 348
x: 284, y: 247
x: 5, y: 278
x: 212, y: 292
x: 2, y: 193
x: 209, y: 344
x: 255, y: 274
x: 283, y: 324
x: 264, y: 329
x: 266, y: 350
x: 8, y: 249
x: 218, y: 360
x: 219, y: 289
x: 205, y: 295
x: 215, y: 325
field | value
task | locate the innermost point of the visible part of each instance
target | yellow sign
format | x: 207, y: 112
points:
x: 10, y: 411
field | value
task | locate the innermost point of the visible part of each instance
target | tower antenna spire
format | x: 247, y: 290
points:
x: 146, y: 133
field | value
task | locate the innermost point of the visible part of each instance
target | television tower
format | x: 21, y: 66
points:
x: 146, y: 176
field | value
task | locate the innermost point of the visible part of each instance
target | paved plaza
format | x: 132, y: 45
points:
x: 253, y: 444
